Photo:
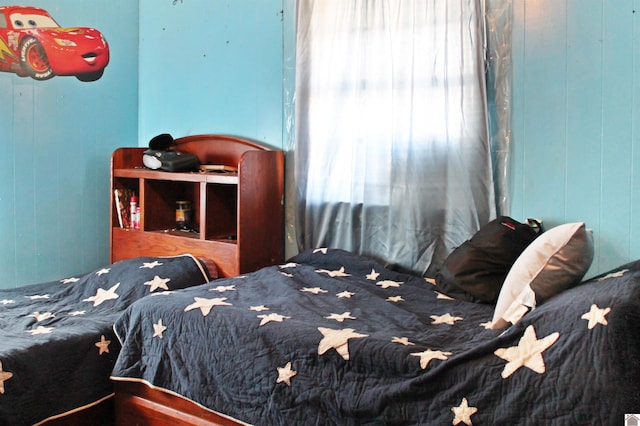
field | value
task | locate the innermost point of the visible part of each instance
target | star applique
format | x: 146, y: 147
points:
x: 463, y: 413
x: 4, y: 376
x: 223, y: 288
x: 288, y: 265
x: 614, y: 275
x: 285, y: 374
x: 157, y: 283
x: 150, y: 265
x: 76, y: 313
x: 341, y: 317
x: 7, y: 301
x: 103, y: 345
x: 345, y: 294
x: 528, y: 353
x: 103, y: 271
x: 338, y: 340
x: 314, y: 290
x: 271, y: 317
x: 373, y: 275
x: 38, y: 296
x: 42, y: 316
x: 596, y: 316
x: 40, y: 330
x: 158, y: 329
x: 428, y: 355
x: 286, y: 274
x: 103, y: 295
x: 205, y: 305
x: 70, y: 280
x: 442, y: 296
x: 258, y: 308
x: 389, y: 283
x: 339, y: 273
x: 322, y: 250
x: 431, y: 281
x: 395, y: 299
x: 444, y: 319
x: 402, y: 340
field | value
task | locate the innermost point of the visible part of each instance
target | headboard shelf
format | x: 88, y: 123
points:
x: 238, y: 217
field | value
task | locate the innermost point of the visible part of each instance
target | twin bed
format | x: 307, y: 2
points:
x: 334, y: 338
x: 329, y: 337
x: 57, y: 345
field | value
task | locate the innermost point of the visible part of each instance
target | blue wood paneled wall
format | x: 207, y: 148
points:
x: 576, y: 120
x: 211, y: 67
x: 57, y: 138
x: 214, y: 66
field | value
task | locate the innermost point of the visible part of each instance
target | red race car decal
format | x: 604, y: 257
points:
x: 33, y: 44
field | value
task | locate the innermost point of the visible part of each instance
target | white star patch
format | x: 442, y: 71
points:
x: 150, y: 265
x: 158, y: 329
x: 338, y: 340
x: 341, y: 317
x: 428, y: 355
x: 103, y: 345
x: 314, y: 290
x: 395, y: 299
x: 373, y: 275
x: 431, y: 281
x: 286, y: 274
x: 402, y: 340
x: 322, y: 250
x: 289, y: 265
x: 38, y: 296
x: 596, y: 316
x: 4, y: 376
x: 444, y: 319
x: 345, y: 294
x: 40, y: 330
x: 463, y: 413
x: 258, y: 308
x: 339, y: 273
x: 528, y: 353
x: 285, y: 374
x: 103, y: 271
x: 103, y: 295
x: 157, y: 283
x: 442, y: 296
x: 271, y: 317
x: 223, y: 288
x: 7, y: 301
x: 389, y: 283
x: 42, y: 316
x: 205, y: 305
x: 613, y: 275
x: 70, y: 280
x: 76, y: 313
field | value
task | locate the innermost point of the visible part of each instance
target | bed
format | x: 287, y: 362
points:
x: 57, y: 346
x: 331, y: 337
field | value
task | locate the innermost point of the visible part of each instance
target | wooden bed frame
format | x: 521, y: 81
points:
x: 138, y: 404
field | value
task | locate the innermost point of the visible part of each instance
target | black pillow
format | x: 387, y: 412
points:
x: 476, y: 270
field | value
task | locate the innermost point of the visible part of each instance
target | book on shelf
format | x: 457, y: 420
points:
x: 122, y: 199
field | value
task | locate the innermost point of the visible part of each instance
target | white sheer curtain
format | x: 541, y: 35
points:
x: 392, y: 154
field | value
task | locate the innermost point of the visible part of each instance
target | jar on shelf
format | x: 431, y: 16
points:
x: 183, y: 214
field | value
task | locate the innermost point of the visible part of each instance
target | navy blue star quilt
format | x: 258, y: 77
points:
x: 57, y: 346
x: 334, y: 338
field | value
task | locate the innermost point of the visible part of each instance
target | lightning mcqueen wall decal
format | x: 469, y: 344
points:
x: 33, y: 44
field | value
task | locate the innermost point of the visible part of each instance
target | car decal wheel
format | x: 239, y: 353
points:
x: 34, y: 60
